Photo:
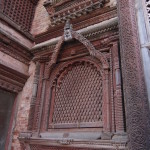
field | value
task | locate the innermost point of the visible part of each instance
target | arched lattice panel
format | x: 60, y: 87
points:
x: 78, y: 97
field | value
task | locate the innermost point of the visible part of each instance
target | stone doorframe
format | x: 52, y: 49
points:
x: 136, y: 100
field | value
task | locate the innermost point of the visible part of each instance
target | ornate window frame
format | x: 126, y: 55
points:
x: 58, y: 72
x: 70, y: 34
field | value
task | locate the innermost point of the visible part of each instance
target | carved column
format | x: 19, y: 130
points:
x: 39, y: 98
x: 106, y: 103
x: 34, y: 96
x: 135, y: 95
x: 117, y: 90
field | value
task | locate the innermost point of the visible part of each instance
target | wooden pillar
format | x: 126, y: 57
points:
x: 38, y: 98
x: 119, y: 120
x: 106, y: 103
x: 135, y: 95
x: 34, y: 97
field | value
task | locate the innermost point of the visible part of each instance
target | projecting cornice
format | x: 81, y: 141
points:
x: 60, y: 11
x: 90, y: 31
x: 11, y: 78
x: 11, y: 46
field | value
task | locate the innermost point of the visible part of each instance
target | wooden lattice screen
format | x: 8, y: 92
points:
x: 20, y: 11
x: 78, y: 98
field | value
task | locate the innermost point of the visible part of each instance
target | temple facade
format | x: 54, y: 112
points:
x: 74, y: 75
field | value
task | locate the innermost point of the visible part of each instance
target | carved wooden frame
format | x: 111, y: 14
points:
x: 10, y: 79
x: 10, y: 129
x: 13, y: 81
x: 57, y: 71
x: 50, y: 64
x: 28, y: 139
x: 94, y: 53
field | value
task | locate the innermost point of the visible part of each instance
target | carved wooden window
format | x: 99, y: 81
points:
x: 77, y: 97
x: 20, y: 11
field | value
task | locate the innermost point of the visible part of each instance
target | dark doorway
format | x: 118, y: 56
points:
x: 6, y: 105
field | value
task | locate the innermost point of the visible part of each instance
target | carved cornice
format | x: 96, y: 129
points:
x: 15, y: 26
x: 14, y: 49
x: 91, y: 19
x: 11, y: 80
x: 106, y: 144
x: 60, y: 12
x: 41, y: 58
x: 92, y: 32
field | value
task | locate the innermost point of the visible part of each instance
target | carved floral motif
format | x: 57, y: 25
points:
x: 137, y: 111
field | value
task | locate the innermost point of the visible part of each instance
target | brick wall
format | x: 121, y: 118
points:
x: 24, y: 99
x: 41, y: 19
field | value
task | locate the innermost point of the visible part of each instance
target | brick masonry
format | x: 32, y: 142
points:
x: 41, y: 19
x: 24, y: 99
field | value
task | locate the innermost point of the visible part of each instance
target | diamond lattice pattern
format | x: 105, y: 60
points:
x: 79, y: 96
x: 20, y: 11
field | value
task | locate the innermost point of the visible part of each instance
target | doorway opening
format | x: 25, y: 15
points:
x: 7, y: 100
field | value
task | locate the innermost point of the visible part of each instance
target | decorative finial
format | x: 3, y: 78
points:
x: 68, y: 31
